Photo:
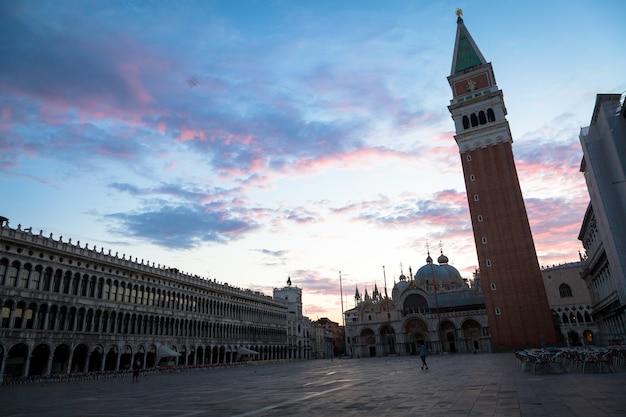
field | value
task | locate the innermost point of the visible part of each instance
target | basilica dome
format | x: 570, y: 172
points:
x: 446, y: 276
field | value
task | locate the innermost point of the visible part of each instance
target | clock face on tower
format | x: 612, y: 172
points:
x: 473, y: 83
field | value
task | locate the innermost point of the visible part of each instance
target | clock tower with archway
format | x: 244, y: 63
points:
x: 515, y: 298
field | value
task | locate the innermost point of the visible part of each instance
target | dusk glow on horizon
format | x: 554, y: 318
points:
x: 252, y: 141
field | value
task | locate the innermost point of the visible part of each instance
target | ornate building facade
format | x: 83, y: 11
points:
x: 337, y: 332
x: 435, y: 307
x: 571, y: 304
x: 515, y: 298
x: 68, y: 308
x: 299, y: 335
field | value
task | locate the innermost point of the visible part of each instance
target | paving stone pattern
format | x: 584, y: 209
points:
x: 455, y: 385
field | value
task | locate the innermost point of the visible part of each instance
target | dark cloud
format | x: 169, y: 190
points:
x: 50, y: 63
x: 552, y: 156
x: 273, y: 257
x: 182, y: 216
x: 274, y: 253
x: 301, y: 215
x: 177, y: 191
x: 109, y: 94
x: 180, y: 227
x: 267, y: 140
x: 312, y: 282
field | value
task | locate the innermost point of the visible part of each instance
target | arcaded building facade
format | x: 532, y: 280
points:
x: 603, y: 230
x: 68, y: 308
x: 435, y: 307
x: 571, y: 304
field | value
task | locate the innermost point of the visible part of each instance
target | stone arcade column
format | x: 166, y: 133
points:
x: 87, y: 361
x: 2, y: 366
x: 49, y: 365
x: 46, y: 318
x: 68, y: 370
x: 26, y: 365
x: 117, y: 359
x: 12, y: 316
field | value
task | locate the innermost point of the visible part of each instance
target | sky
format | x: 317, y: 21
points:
x: 252, y: 141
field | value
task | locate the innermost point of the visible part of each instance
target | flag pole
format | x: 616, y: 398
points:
x: 343, y: 317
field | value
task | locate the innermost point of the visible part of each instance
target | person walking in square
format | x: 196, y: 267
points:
x: 136, y: 369
x: 422, y: 352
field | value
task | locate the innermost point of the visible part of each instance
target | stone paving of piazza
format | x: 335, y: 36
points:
x: 455, y: 385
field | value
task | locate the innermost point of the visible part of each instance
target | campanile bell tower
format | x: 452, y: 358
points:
x: 515, y: 298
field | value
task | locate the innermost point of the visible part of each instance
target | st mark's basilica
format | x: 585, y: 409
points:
x: 435, y: 306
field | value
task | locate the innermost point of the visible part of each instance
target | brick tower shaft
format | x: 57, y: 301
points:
x: 515, y: 298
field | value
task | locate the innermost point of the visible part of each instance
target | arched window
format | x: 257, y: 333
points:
x: 466, y: 123
x: 67, y: 282
x: 4, y: 264
x: 481, y: 117
x: 56, y: 286
x: 11, y: 279
x: 474, y: 119
x: 100, y: 288
x: 84, y: 283
x: 47, y: 279
x: 23, y: 276
x: 35, y: 277
x: 491, y: 117
x: 6, y: 313
x: 75, y: 283
x: 565, y: 290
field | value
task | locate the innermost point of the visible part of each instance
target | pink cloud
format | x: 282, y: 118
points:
x: 226, y: 138
x: 191, y: 134
x: 451, y: 197
x: 6, y: 113
x: 348, y: 160
x: 54, y: 111
x: 305, y: 166
x: 171, y: 166
x: 556, y: 237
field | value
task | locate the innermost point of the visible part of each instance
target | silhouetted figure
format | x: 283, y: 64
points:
x: 136, y: 369
x: 422, y: 352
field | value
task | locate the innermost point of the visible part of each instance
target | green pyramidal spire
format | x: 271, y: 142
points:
x: 466, y: 53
